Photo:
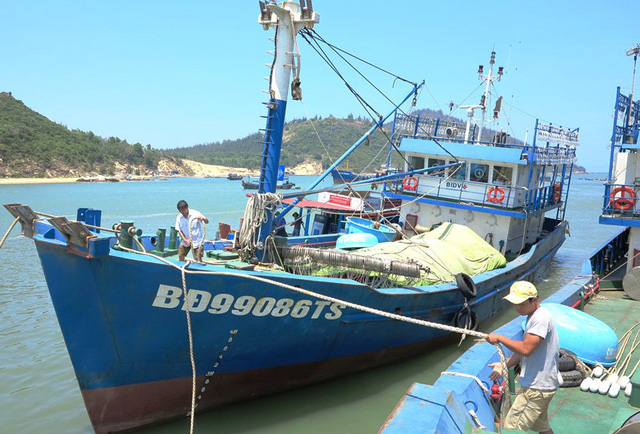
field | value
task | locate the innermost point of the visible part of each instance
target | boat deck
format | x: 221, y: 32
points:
x: 575, y: 411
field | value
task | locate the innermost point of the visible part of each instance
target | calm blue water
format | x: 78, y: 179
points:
x: 38, y: 390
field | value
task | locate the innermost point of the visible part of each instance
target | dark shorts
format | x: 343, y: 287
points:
x: 184, y: 250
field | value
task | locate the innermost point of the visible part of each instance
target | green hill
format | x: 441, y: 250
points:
x: 33, y: 146
x: 300, y: 144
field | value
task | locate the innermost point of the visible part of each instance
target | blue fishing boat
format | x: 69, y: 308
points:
x: 153, y: 338
x: 464, y: 399
x: 254, y: 184
x: 341, y: 176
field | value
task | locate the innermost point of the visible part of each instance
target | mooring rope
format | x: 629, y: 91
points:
x: 9, y: 231
x: 185, y: 292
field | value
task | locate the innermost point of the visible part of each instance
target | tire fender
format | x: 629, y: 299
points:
x: 466, y: 285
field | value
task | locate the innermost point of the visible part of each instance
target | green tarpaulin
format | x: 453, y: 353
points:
x: 446, y: 251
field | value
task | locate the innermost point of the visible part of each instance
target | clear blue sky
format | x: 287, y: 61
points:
x: 175, y: 74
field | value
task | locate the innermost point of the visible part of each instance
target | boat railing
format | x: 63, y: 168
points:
x: 553, y: 154
x: 417, y: 127
x: 621, y: 200
x: 480, y: 193
x: 605, y: 259
x: 542, y: 197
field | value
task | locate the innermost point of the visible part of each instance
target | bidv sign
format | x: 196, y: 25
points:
x: 456, y: 184
x: 170, y: 297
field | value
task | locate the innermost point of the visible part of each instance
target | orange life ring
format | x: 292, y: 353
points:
x: 495, y: 194
x: 557, y: 190
x: 410, y: 183
x: 625, y: 201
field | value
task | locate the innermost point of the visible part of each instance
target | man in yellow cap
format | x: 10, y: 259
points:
x: 537, y: 354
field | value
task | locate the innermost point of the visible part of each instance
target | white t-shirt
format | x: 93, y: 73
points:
x: 540, y: 369
x: 197, y: 233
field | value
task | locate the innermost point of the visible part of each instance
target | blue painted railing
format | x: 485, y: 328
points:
x: 603, y: 261
x: 416, y: 127
x: 542, y: 198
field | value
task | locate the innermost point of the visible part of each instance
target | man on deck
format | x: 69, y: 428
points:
x: 537, y: 354
x: 190, y: 232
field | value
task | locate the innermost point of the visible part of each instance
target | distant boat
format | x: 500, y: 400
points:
x: 99, y: 178
x: 234, y: 177
x: 253, y: 183
x: 344, y: 176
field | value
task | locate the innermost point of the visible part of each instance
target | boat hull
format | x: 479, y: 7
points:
x: 124, y: 324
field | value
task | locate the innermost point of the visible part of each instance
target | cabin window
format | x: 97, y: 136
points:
x: 417, y: 162
x: 479, y: 172
x: 502, y: 175
x: 434, y: 162
x: 459, y: 172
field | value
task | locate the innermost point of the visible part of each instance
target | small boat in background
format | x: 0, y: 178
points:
x: 234, y: 177
x: 344, y: 176
x: 253, y: 184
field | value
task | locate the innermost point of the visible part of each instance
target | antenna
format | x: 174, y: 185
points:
x: 632, y: 52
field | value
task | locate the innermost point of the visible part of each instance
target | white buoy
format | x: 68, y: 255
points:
x: 627, y: 390
x: 598, y: 371
x: 614, y: 390
x: 604, y: 387
x: 623, y: 381
x: 595, y: 385
x: 586, y: 383
x: 613, y: 378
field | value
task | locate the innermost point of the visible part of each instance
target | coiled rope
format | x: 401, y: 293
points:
x: 256, y: 213
x: 204, y: 236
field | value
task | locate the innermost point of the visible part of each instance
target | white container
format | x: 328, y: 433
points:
x: 586, y: 383
x: 604, y: 387
x: 614, y: 390
x: 623, y: 381
x: 598, y: 371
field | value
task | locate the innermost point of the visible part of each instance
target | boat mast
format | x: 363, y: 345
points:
x: 287, y: 19
x: 488, y: 79
x: 632, y: 52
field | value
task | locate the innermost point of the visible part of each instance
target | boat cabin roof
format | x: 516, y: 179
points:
x: 463, y: 151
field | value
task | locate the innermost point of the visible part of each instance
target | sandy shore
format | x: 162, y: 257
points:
x: 198, y: 170
x: 11, y: 181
